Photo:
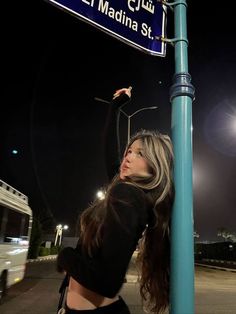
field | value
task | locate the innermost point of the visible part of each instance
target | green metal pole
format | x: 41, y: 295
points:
x: 182, y: 249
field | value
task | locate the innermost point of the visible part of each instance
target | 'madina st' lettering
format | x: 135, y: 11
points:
x: 119, y: 16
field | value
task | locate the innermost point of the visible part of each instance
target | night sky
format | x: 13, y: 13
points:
x: 53, y: 66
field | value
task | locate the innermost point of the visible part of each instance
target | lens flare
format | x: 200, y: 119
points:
x: 220, y: 128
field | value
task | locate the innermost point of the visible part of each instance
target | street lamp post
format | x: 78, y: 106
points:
x: 130, y: 116
x: 102, y: 100
x: 59, y: 229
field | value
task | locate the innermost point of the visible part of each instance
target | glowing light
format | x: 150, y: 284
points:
x: 100, y: 195
x: 233, y: 123
x: 17, y: 279
x: 220, y: 128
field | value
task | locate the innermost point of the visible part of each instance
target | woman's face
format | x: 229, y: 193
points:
x: 133, y: 162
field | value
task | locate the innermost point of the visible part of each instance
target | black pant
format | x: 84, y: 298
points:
x: 117, y: 307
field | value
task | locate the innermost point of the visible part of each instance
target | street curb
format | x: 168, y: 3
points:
x: 42, y: 258
x: 216, y: 267
x: 52, y: 257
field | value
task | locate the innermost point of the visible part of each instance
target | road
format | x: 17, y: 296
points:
x: 37, y: 293
x: 215, y: 291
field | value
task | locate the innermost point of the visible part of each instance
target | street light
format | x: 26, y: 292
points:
x: 59, y: 229
x: 102, y: 100
x: 100, y: 195
x: 130, y: 116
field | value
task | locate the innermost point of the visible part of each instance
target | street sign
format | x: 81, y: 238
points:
x: 135, y: 22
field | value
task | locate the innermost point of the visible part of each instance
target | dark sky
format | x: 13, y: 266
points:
x: 53, y: 65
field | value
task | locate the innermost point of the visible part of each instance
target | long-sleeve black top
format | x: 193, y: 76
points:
x: 104, y: 272
x: 111, y: 134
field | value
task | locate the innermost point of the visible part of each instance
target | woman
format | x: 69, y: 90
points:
x: 136, y: 211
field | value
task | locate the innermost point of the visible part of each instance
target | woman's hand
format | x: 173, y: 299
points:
x: 126, y: 91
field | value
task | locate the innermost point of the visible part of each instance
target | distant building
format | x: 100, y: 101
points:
x: 216, y: 250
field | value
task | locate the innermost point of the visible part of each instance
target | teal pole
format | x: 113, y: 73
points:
x: 182, y: 248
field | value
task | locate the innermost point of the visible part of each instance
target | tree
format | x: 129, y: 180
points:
x: 233, y: 237
x: 35, y: 239
x: 224, y: 233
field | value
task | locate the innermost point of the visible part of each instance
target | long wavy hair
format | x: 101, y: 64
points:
x: 154, y: 246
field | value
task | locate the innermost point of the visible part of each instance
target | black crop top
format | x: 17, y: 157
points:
x: 104, y: 272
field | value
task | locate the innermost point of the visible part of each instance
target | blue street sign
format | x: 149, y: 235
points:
x: 135, y: 22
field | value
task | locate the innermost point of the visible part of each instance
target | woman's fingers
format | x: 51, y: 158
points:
x: 122, y: 91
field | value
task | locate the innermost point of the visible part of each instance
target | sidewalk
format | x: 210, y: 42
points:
x: 130, y: 293
x: 130, y: 289
x: 214, y: 291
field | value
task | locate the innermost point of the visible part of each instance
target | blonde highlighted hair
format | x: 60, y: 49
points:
x: 154, y: 247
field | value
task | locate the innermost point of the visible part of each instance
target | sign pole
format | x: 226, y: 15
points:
x: 182, y: 249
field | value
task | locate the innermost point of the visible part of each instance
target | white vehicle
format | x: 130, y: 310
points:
x: 15, y: 230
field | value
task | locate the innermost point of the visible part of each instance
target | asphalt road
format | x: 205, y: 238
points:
x: 37, y: 293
